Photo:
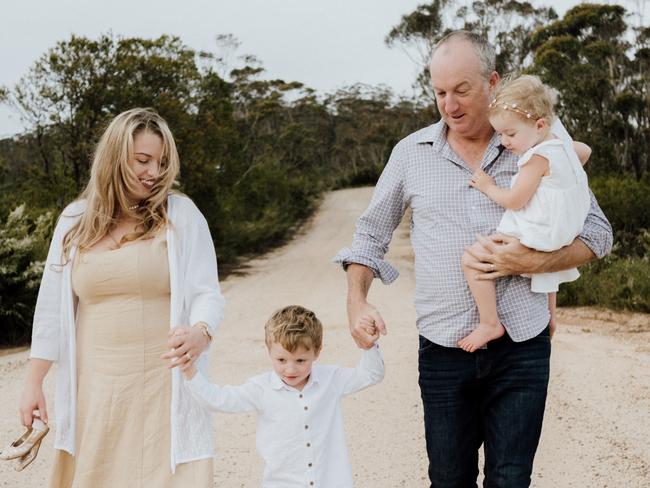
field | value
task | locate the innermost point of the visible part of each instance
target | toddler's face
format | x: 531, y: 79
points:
x: 294, y: 367
x: 518, y: 134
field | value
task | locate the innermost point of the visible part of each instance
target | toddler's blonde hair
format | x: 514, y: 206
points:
x: 294, y: 326
x: 526, y: 96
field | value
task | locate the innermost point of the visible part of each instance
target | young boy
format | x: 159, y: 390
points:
x: 300, y: 428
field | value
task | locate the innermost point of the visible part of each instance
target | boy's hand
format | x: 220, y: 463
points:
x: 481, y: 180
x: 368, y: 324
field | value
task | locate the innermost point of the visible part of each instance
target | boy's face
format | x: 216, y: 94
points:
x: 294, y: 367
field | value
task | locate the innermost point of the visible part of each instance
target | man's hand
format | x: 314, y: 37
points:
x: 365, y: 324
x: 499, y: 255
x: 552, y: 326
x: 481, y: 180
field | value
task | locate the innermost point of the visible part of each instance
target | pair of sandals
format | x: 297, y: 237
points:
x: 24, y: 449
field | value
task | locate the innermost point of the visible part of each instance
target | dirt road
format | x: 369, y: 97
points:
x: 597, y: 427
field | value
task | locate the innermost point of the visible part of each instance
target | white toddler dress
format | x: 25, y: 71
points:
x: 555, y: 214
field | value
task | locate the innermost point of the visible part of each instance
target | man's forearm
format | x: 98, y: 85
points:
x: 359, y: 280
x: 575, y: 254
x: 359, y: 310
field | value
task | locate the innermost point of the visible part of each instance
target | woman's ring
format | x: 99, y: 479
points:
x: 189, y: 356
x: 492, y: 267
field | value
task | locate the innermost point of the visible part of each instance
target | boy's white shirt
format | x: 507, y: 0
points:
x: 300, y: 434
x: 195, y: 297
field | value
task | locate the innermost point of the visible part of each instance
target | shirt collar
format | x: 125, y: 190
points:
x: 436, y: 135
x: 278, y: 384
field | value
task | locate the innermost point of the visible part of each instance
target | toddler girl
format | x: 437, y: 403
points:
x: 548, y: 199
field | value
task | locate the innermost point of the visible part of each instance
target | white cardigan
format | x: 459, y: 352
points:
x: 195, y: 297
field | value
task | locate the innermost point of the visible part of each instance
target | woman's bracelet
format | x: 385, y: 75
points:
x: 204, y: 330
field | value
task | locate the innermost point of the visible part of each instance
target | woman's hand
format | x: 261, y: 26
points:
x: 186, y: 344
x: 32, y: 399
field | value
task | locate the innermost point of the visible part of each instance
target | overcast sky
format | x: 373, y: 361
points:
x: 325, y: 44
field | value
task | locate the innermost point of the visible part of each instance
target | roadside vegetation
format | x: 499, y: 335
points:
x: 257, y: 152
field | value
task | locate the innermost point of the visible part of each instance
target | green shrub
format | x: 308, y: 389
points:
x: 22, y: 244
x: 617, y: 283
x: 263, y: 210
x: 621, y: 280
x: 626, y: 203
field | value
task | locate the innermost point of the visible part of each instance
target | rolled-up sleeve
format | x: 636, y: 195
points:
x: 597, y: 231
x: 203, y: 293
x: 375, y: 227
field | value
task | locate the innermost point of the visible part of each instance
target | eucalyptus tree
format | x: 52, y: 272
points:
x: 601, y: 67
x: 71, y: 91
x: 505, y: 23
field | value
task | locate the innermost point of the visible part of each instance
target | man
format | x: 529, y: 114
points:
x: 495, y: 396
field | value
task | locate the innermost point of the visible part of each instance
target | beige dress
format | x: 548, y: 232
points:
x: 123, y: 387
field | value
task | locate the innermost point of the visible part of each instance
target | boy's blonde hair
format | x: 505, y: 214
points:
x: 526, y: 96
x: 294, y: 326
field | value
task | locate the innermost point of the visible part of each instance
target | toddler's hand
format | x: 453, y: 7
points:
x: 481, y: 180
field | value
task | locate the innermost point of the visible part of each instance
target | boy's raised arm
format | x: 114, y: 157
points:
x: 368, y: 372
x: 230, y: 399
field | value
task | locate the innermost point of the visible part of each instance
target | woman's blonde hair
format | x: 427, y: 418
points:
x: 112, y: 180
x: 526, y: 96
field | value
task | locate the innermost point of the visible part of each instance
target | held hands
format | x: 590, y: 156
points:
x: 365, y: 324
x: 499, y: 255
x: 186, y: 344
x: 481, y: 180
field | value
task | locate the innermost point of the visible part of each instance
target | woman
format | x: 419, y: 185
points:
x: 129, y: 261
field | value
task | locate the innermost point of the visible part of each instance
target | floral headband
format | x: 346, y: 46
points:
x: 513, y: 108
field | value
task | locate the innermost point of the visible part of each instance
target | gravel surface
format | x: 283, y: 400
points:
x: 597, y: 426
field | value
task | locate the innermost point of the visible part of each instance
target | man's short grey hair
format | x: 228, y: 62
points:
x: 483, y: 49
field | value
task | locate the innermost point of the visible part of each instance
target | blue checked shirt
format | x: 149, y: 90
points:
x: 425, y: 174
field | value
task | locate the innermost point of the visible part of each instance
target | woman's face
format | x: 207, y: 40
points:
x: 145, y: 162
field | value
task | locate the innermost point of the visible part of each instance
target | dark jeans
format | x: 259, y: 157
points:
x: 494, y: 396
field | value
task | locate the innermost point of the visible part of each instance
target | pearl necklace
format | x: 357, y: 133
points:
x: 133, y: 207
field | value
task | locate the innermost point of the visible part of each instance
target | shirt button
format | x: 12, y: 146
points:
x: 306, y: 407
x: 309, y: 465
x: 306, y: 426
x: 308, y: 444
x: 311, y: 483
x: 300, y: 395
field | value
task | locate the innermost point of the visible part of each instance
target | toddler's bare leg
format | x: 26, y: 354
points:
x: 484, y: 294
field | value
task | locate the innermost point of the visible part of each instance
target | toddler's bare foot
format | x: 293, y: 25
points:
x: 483, y: 334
